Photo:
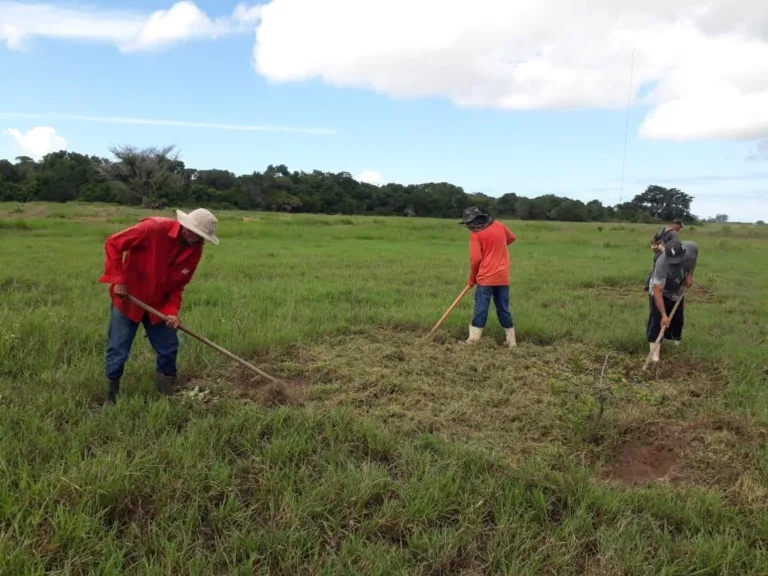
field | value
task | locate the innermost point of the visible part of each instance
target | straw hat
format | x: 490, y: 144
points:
x: 201, y: 221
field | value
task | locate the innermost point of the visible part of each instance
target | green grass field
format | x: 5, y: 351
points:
x: 390, y: 454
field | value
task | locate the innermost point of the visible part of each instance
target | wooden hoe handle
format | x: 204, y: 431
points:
x: 204, y: 340
x: 467, y: 288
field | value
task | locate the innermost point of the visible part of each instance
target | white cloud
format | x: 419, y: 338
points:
x: 128, y: 30
x: 702, y: 65
x: 371, y: 177
x: 760, y: 153
x: 38, y: 141
x: 11, y: 35
x: 179, y: 123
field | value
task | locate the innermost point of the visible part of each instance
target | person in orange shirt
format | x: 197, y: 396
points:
x: 152, y: 261
x: 489, y: 272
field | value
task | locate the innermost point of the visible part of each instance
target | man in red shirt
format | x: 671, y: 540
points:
x: 152, y: 261
x: 489, y: 272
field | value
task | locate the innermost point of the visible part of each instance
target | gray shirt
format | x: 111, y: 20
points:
x: 672, y: 275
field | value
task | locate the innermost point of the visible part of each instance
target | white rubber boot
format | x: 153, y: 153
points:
x: 511, y: 341
x: 474, y: 335
x: 656, y: 352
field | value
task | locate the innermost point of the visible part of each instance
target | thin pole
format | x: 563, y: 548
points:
x: 626, y: 124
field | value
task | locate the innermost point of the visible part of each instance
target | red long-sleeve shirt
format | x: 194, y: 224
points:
x: 153, y: 263
x: 489, y: 256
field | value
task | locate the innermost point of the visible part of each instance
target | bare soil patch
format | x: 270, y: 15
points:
x: 235, y: 384
x: 697, y: 378
x: 648, y: 460
x: 701, y: 295
x: 644, y: 464
x: 624, y: 292
x: 240, y: 383
x: 717, y: 453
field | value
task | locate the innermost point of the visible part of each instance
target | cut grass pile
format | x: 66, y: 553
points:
x: 553, y: 405
x: 391, y: 454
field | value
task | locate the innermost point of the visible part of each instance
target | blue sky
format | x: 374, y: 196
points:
x: 397, y: 118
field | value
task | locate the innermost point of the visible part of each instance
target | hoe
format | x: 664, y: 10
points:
x: 207, y: 342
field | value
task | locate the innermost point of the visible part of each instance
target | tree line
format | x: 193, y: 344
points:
x: 157, y: 176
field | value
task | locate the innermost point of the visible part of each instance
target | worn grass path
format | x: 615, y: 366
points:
x: 403, y: 456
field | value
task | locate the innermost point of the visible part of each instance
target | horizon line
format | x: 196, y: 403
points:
x: 179, y: 123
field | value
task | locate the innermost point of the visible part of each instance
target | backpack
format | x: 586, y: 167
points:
x: 656, y: 242
x: 659, y: 235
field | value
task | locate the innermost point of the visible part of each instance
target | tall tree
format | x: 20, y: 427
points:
x: 140, y: 174
x: 9, y: 172
x: 664, y: 203
x: 65, y: 176
x: 596, y: 211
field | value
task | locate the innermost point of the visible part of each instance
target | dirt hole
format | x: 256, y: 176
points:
x: 639, y: 464
x: 713, y: 453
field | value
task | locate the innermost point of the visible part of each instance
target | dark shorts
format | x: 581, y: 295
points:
x: 675, y: 330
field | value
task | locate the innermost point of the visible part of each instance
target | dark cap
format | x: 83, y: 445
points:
x: 674, y: 251
x: 471, y: 214
x: 678, y: 222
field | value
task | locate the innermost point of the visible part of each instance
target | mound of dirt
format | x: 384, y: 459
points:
x: 238, y: 383
x: 280, y: 395
x: 638, y: 464
x: 712, y: 453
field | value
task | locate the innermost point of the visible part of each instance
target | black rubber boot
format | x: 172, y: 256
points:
x: 113, y: 389
x: 164, y: 384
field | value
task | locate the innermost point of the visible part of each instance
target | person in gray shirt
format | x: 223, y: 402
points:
x: 660, y: 239
x: 673, y: 270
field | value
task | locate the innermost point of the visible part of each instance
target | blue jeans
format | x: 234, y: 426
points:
x: 500, y: 295
x: 122, y: 331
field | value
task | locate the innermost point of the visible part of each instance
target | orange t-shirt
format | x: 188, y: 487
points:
x: 489, y: 256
